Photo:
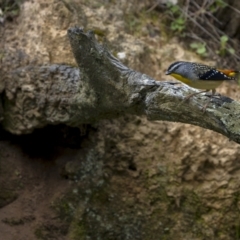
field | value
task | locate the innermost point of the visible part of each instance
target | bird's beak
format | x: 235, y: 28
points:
x: 167, y: 72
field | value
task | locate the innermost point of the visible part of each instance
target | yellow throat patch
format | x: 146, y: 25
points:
x: 180, y: 78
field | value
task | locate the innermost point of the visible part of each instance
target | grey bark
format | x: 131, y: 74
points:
x: 102, y: 87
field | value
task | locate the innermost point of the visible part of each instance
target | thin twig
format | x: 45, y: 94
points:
x: 197, y: 24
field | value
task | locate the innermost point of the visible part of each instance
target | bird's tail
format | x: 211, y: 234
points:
x: 233, y: 74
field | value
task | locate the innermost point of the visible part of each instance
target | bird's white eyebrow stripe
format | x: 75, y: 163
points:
x: 175, y: 66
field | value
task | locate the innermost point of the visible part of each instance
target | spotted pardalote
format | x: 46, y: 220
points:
x: 200, y: 76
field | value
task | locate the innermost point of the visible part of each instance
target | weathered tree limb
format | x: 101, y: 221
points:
x: 102, y: 87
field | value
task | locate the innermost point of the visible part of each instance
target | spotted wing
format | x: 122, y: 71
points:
x: 216, y: 75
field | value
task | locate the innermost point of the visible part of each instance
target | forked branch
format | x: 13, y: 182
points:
x: 102, y: 87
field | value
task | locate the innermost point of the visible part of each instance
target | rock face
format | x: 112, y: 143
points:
x: 126, y: 178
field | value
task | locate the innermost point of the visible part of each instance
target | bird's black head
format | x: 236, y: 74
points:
x: 174, y: 67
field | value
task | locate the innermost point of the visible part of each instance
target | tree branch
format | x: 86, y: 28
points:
x: 102, y: 87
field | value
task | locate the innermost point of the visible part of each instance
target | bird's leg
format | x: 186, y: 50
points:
x: 205, y: 106
x: 191, y: 95
x: 194, y: 94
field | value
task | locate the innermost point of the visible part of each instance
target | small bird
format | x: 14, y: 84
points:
x: 200, y: 76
